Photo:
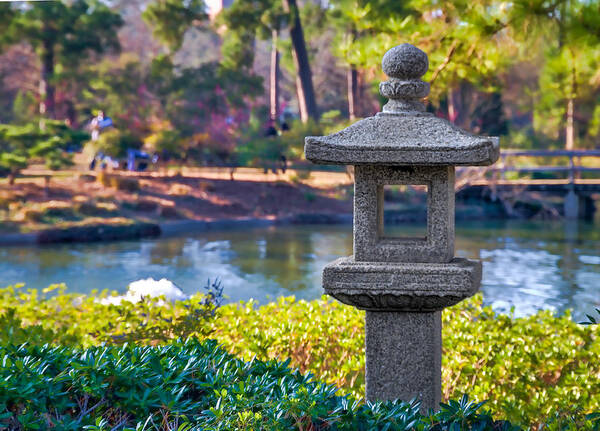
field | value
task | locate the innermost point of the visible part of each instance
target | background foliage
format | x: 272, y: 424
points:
x: 53, y: 145
x: 198, y: 88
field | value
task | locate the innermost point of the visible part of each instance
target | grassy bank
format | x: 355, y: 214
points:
x: 69, y: 202
x: 528, y: 369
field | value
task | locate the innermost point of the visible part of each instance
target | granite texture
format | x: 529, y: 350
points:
x: 403, y: 134
x: 403, y: 283
x: 404, y: 96
x: 371, y: 245
x: 388, y: 139
x: 395, y: 89
x: 405, y: 62
x: 416, y: 287
x: 404, y: 357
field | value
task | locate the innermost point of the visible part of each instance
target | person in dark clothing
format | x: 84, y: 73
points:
x: 271, y: 131
x: 283, y: 163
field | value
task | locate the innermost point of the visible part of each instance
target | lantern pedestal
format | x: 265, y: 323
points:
x: 404, y: 357
x: 403, y: 320
x: 414, y: 287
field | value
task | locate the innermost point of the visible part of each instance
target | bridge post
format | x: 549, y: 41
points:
x: 571, y: 205
x: 574, y: 172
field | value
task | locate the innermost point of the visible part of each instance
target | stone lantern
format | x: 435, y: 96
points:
x: 403, y: 283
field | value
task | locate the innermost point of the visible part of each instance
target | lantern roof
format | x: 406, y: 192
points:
x: 403, y: 134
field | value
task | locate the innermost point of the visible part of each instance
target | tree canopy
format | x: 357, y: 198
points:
x: 527, y: 68
x: 63, y: 35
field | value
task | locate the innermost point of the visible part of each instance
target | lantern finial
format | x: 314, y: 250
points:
x: 404, y: 65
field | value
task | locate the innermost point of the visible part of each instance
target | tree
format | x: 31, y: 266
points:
x: 304, y: 84
x: 23, y: 145
x: 566, y: 81
x: 7, y: 14
x: 63, y: 35
x: 123, y: 90
x: 469, y: 44
x: 354, y: 20
x: 246, y: 21
x: 570, y: 32
x: 199, y: 103
x: 265, y: 19
x: 472, y: 43
x: 469, y: 47
x: 170, y: 19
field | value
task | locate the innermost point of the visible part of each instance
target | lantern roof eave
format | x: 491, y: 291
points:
x: 403, y: 139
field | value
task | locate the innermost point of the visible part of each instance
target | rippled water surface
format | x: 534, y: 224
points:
x: 527, y: 265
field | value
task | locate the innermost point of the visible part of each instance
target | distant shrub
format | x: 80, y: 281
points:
x: 142, y: 205
x: 24, y: 144
x: 86, y: 178
x: 47, y: 212
x: 206, y: 186
x: 259, y: 150
x: 125, y: 184
x: 115, y: 143
x: 96, y: 209
x: 310, y: 196
x: 118, y: 182
x: 180, y: 190
x: 300, y: 176
x: 168, y: 211
x: 103, y: 178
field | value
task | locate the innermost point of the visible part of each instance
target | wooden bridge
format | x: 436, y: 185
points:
x: 572, y: 174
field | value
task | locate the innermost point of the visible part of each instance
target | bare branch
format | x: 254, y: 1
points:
x: 444, y: 63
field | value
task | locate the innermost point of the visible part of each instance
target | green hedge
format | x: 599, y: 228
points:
x: 191, y: 385
x: 529, y: 369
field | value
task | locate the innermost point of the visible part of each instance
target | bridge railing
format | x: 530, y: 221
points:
x: 573, y: 168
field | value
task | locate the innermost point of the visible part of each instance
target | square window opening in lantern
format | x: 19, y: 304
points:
x: 404, y: 212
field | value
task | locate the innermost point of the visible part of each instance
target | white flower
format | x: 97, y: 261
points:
x: 148, y: 288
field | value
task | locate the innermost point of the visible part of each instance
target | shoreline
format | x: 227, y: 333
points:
x: 136, y: 207
x: 139, y: 230
x: 161, y: 229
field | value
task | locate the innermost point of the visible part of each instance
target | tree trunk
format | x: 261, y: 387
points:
x: 451, y: 107
x: 12, y: 176
x: 71, y: 114
x: 301, y: 100
x: 274, y: 75
x: 570, y: 130
x: 306, y: 93
x: 352, y: 76
x: 47, y: 90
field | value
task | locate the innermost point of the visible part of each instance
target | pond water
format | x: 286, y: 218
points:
x: 527, y: 265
